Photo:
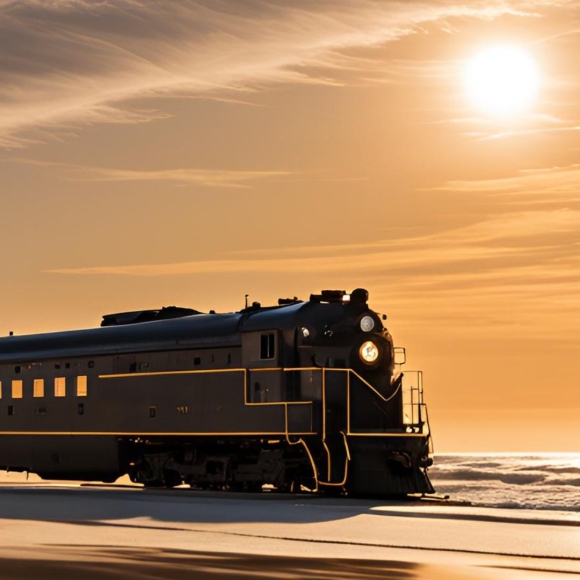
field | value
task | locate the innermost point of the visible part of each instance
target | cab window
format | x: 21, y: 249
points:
x: 267, y: 346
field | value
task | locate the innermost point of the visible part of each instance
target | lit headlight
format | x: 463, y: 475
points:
x: 367, y: 323
x: 368, y: 352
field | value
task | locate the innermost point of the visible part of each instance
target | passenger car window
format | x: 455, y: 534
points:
x: 38, y: 388
x: 60, y: 387
x: 82, y: 386
x: 17, y: 389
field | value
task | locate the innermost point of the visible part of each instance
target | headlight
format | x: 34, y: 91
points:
x: 368, y: 352
x: 367, y: 323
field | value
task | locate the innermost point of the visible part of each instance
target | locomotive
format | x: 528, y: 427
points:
x: 301, y: 396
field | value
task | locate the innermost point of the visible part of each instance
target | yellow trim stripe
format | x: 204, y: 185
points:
x: 210, y: 371
x: 161, y: 373
x: 301, y: 441
x: 401, y: 434
x: 164, y: 433
x: 346, y: 462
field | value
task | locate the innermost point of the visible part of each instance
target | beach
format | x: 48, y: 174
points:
x: 54, y: 530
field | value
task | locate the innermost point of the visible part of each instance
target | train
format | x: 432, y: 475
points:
x: 302, y: 396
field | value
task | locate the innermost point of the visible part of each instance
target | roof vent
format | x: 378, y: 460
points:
x: 137, y: 316
x: 329, y: 296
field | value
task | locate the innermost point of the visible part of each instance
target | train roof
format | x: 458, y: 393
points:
x: 186, y: 332
x: 164, y: 329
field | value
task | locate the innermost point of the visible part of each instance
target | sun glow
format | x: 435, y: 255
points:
x: 502, y: 80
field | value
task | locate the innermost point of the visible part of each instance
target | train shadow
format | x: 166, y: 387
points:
x: 86, y: 504
x: 168, y: 509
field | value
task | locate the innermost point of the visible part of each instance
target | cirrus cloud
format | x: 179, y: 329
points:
x: 503, y: 271
x: 66, y: 63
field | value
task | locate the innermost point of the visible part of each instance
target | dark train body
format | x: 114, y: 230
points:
x: 304, y: 395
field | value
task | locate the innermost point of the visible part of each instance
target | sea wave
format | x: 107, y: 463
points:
x: 480, y: 475
x: 535, y: 481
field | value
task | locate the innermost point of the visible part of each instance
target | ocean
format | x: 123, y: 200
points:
x: 542, y: 481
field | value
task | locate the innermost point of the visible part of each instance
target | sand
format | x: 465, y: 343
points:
x: 93, y: 532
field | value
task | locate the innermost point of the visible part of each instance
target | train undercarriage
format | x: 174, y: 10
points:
x: 305, y: 465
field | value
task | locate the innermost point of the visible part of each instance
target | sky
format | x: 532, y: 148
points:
x: 190, y: 152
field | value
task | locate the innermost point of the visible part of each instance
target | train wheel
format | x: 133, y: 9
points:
x: 171, y: 478
x: 254, y: 486
x: 153, y: 484
x: 333, y: 490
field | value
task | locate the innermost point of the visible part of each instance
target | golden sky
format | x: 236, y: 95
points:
x: 189, y: 152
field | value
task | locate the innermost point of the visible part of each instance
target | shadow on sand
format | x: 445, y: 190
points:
x: 93, y: 504
x: 146, y: 564
x: 87, y: 504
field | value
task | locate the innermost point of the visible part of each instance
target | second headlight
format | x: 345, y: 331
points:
x: 367, y: 323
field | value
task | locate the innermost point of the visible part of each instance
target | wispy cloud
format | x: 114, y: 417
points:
x: 181, y: 176
x: 528, y: 236
x: 485, y: 128
x: 184, y: 176
x: 570, y: 128
x: 75, y: 62
x: 505, y: 269
x: 561, y: 182
x: 207, y: 177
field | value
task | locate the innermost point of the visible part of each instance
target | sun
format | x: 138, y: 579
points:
x: 502, y: 80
